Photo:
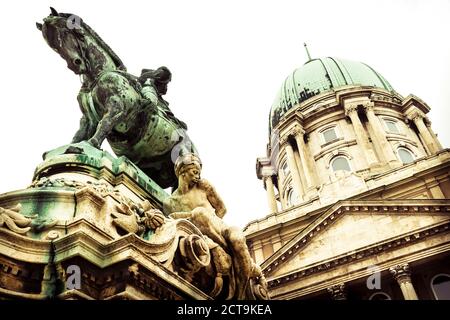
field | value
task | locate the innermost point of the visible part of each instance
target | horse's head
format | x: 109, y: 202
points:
x: 82, y: 48
x: 64, y: 33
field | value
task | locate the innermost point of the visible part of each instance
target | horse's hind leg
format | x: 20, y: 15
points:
x: 112, y: 117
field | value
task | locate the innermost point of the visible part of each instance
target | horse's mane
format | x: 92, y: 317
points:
x: 119, y: 64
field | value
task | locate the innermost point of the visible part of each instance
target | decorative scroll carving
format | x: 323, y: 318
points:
x: 12, y: 219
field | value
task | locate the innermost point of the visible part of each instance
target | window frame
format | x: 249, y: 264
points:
x: 407, y: 150
x: 285, y: 169
x: 340, y: 156
x: 337, y: 132
x: 431, y: 283
x: 395, y: 122
x: 380, y: 293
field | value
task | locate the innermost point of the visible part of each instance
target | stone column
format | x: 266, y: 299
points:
x: 257, y: 249
x: 402, y: 275
x: 361, y: 137
x: 418, y: 120
x: 271, y: 200
x: 298, y: 161
x: 337, y: 292
x: 276, y: 242
x: 433, y: 135
x: 306, y: 160
x: 433, y: 185
x: 296, y: 184
x: 379, y: 134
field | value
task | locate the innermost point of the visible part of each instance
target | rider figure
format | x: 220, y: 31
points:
x: 154, y: 86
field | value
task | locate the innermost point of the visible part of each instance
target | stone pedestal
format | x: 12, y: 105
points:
x: 81, y: 231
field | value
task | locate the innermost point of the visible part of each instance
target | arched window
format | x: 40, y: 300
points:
x: 440, y: 285
x: 285, y: 169
x: 292, y: 197
x: 340, y: 163
x: 380, y: 296
x: 405, y: 155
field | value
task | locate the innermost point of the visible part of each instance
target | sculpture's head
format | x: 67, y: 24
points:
x: 64, y: 33
x: 160, y: 77
x: 189, y: 167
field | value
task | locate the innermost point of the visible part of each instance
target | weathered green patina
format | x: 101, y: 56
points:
x: 321, y: 75
x: 96, y: 161
x: 126, y: 110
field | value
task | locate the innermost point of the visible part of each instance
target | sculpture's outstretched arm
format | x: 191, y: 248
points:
x: 213, y: 198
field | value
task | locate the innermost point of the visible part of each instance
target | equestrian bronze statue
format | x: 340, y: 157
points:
x: 128, y: 111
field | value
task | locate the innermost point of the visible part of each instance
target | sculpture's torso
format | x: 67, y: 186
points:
x: 188, y: 201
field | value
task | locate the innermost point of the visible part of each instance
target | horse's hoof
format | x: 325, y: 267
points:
x: 94, y: 143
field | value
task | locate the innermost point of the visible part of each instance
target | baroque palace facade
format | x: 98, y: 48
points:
x: 358, y: 188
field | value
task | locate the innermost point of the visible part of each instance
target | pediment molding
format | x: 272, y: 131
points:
x: 341, y: 208
x: 365, y: 252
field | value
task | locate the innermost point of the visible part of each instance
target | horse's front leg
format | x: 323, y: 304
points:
x: 85, y: 131
x: 115, y: 113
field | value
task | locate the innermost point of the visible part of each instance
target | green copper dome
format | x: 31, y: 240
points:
x: 321, y: 75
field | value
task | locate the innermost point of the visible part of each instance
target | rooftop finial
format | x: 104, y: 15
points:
x: 307, y: 52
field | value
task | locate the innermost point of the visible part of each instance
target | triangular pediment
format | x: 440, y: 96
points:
x: 351, y: 226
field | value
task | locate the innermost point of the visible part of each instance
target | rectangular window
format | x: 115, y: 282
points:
x: 329, y: 135
x: 391, y: 126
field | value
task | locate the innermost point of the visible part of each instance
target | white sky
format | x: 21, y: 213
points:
x: 228, y: 60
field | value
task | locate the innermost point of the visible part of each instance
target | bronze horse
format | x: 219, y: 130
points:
x: 126, y: 110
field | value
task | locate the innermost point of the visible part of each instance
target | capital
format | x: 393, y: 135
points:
x: 351, y: 108
x: 368, y: 106
x: 297, y: 131
x: 401, y: 272
x: 337, y: 291
x: 284, y: 141
x: 415, y: 116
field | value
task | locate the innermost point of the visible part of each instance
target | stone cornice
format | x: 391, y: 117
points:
x: 342, y: 207
x: 81, y: 244
x: 321, y: 104
x: 334, y: 145
x: 363, y: 271
x: 355, y: 255
x: 402, y: 138
x: 438, y: 161
x: 414, y: 101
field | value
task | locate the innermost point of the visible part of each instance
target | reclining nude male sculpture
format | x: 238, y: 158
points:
x: 196, y: 199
